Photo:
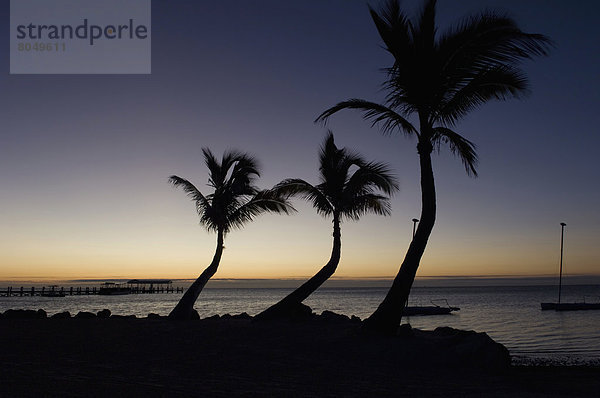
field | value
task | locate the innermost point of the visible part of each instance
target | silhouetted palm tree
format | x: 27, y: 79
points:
x: 347, y: 190
x: 234, y: 201
x: 439, y: 78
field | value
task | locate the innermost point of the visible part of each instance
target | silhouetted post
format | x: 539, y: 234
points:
x: 562, y: 235
x: 21, y: 292
x: 415, y: 221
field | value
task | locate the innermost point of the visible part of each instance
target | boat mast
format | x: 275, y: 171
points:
x: 415, y: 221
x: 562, y: 235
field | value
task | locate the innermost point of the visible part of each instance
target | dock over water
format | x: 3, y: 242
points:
x: 134, y: 286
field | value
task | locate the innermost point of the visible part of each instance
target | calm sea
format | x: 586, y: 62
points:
x: 510, y: 315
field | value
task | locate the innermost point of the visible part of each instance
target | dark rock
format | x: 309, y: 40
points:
x: 300, y: 311
x: 216, y: 316
x: 333, y: 317
x: 194, y: 315
x: 42, y: 314
x: 448, y: 331
x: 243, y: 315
x: 295, y: 311
x: 472, y: 348
x: 21, y: 314
x: 153, y: 316
x: 105, y: 313
x: 61, y: 315
x: 85, y: 315
x: 355, y: 319
x: 124, y: 316
x: 226, y: 316
x: 405, y: 330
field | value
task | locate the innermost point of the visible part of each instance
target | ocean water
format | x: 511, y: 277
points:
x: 510, y: 315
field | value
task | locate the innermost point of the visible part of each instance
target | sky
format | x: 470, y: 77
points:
x: 84, y: 159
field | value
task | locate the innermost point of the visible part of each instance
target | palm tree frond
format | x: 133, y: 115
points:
x: 298, y: 187
x: 459, y: 146
x: 493, y: 39
x: 499, y: 83
x: 189, y: 188
x: 393, y: 26
x: 387, y: 119
x: 372, y: 175
x: 214, y: 167
x: 266, y: 201
x: 367, y: 203
x: 245, y: 170
x: 426, y: 28
x: 203, y: 204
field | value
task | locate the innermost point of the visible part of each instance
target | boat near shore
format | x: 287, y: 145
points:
x: 570, y: 306
x: 434, y: 309
x: 558, y: 306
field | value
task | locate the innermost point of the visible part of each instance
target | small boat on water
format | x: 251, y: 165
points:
x: 566, y: 306
x: 434, y: 309
x: 113, y: 289
x: 570, y: 306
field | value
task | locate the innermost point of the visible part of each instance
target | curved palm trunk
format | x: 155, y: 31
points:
x: 388, y: 315
x: 185, y: 306
x: 292, y: 300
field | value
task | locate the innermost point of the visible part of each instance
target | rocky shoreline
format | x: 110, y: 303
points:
x: 322, y: 355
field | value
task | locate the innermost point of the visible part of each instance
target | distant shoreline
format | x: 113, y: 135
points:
x: 342, y: 282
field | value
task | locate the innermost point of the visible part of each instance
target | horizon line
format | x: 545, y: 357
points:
x: 295, y: 278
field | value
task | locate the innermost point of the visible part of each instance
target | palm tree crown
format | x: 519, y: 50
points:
x: 442, y: 77
x: 348, y: 184
x: 235, y: 199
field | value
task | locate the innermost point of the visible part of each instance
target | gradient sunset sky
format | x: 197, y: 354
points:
x: 84, y: 160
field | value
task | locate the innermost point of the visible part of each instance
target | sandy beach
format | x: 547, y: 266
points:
x: 239, y: 357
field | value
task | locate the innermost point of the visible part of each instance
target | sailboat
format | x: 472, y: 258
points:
x: 434, y: 309
x: 566, y: 306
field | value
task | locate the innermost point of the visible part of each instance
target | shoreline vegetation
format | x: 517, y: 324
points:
x: 311, y: 355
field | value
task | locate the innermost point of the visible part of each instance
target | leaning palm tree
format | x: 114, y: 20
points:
x: 347, y: 190
x: 235, y: 200
x: 438, y: 79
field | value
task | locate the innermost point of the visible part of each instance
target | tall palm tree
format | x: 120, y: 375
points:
x: 346, y: 190
x: 235, y: 200
x: 437, y: 79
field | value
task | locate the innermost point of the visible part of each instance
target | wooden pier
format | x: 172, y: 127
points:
x: 56, y: 291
